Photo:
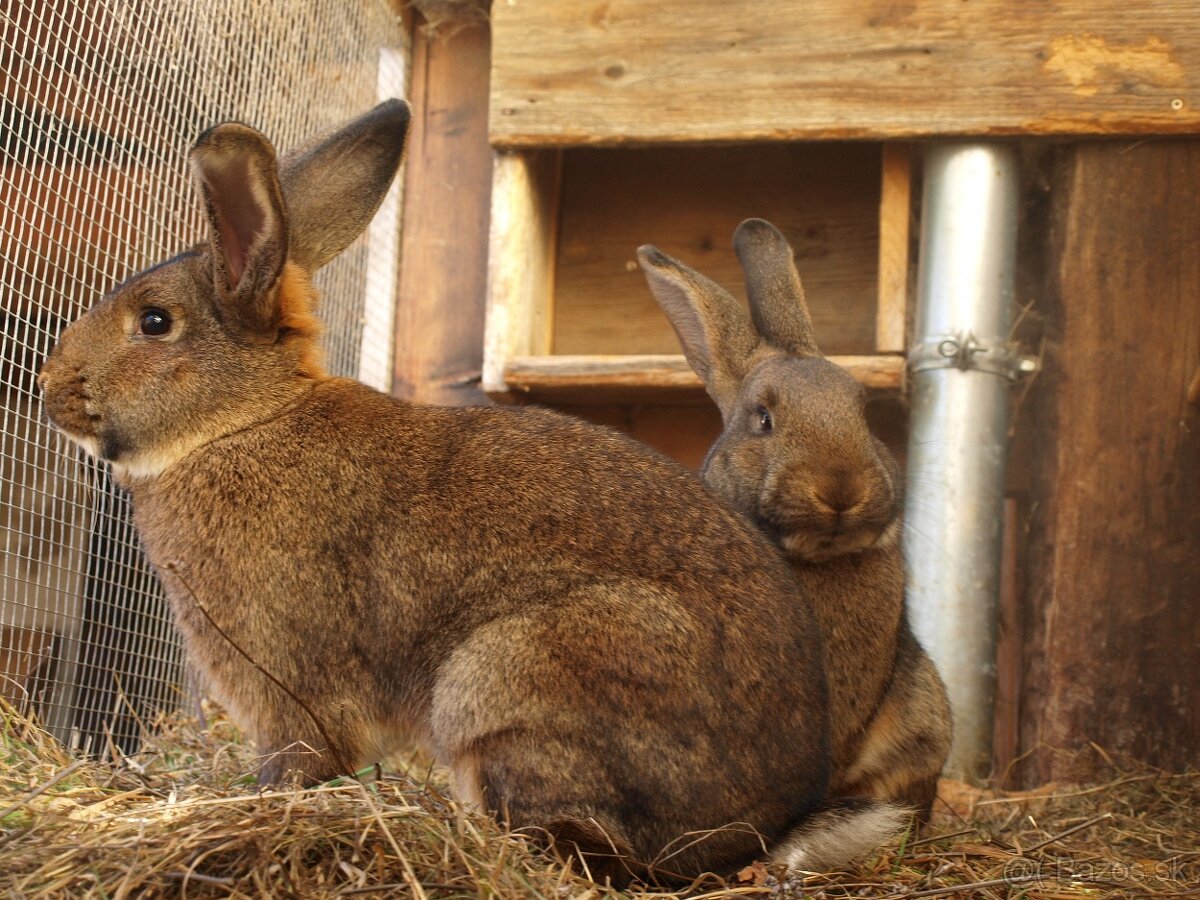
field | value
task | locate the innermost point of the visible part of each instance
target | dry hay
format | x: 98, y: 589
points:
x: 184, y: 820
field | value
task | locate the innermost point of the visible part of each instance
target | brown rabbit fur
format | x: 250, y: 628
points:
x: 592, y: 643
x: 797, y: 457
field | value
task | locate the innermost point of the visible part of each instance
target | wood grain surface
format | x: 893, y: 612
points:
x: 630, y: 71
x: 1112, y: 642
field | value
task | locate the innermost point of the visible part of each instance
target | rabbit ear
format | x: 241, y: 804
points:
x: 773, y: 288
x: 234, y: 168
x: 717, y: 336
x: 334, y: 185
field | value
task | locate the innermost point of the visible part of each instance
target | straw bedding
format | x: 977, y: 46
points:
x: 184, y: 819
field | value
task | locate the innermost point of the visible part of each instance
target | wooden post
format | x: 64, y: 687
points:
x: 1112, y: 640
x: 443, y: 269
x: 521, y: 251
x: 891, y: 317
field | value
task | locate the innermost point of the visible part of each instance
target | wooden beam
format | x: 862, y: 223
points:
x: 448, y: 181
x: 1112, y: 643
x: 628, y: 71
x: 660, y: 376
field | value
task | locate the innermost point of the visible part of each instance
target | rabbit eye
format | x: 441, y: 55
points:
x: 764, y: 419
x: 154, y: 322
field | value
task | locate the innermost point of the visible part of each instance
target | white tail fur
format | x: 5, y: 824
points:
x: 838, y: 834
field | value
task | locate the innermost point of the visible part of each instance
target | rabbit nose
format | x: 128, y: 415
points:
x: 839, y: 499
x: 61, y: 364
x: 46, y: 372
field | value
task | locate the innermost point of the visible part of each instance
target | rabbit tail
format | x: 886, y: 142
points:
x: 840, y: 832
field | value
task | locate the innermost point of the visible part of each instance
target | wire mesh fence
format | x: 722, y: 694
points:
x: 100, y: 102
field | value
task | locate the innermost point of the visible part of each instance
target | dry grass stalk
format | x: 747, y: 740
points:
x: 184, y: 820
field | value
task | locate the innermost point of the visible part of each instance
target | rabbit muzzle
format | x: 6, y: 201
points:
x: 76, y: 394
x: 821, y: 546
x: 819, y: 538
x: 69, y: 403
x: 814, y: 521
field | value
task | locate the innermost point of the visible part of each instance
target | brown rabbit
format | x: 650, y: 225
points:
x: 797, y: 457
x: 592, y: 643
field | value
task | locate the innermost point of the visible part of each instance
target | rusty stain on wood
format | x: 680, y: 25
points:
x: 1089, y: 62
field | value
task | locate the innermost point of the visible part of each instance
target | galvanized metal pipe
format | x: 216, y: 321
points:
x: 961, y: 365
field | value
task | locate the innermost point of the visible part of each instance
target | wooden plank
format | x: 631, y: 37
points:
x: 521, y: 250
x: 548, y: 374
x: 1006, y: 736
x: 628, y: 71
x: 637, y: 376
x: 687, y: 202
x: 448, y: 180
x: 895, y: 200
x: 1112, y: 653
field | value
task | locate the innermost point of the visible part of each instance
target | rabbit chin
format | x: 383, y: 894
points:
x: 150, y: 463
x: 819, y: 546
x: 133, y: 464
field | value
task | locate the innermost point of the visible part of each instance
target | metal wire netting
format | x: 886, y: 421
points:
x: 100, y: 102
